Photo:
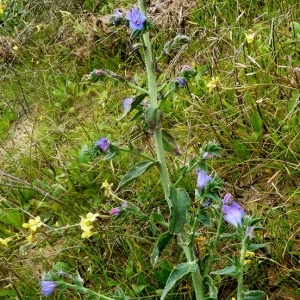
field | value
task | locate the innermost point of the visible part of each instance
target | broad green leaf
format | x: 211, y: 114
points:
x: 170, y: 143
x: 179, y: 207
x: 295, y: 26
x: 254, y: 295
x: 253, y: 247
x: 256, y: 122
x: 13, y: 218
x: 212, y: 289
x: 160, y: 245
x: 62, y: 266
x: 135, y: 172
x: 83, y: 156
x: 204, y: 218
x: 178, y: 273
x: 232, y: 270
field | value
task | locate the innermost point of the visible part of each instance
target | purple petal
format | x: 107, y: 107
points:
x: 127, y: 103
x: 103, y: 144
x: 48, y: 287
x: 136, y: 19
x: 202, y: 179
x: 115, y: 211
x: 233, y: 214
x: 227, y: 199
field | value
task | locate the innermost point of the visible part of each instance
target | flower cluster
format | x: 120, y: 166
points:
x: 215, y: 82
x: 32, y: 225
x: 103, y: 144
x: 86, y: 225
x: 5, y: 241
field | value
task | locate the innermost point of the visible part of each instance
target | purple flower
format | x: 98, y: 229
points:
x: 127, y: 103
x: 103, y: 144
x: 185, y: 68
x: 115, y: 211
x: 181, y: 81
x: 48, y: 287
x: 202, y: 180
x: 136, y: 19
x: 233, y: 214
x: 227, y: 199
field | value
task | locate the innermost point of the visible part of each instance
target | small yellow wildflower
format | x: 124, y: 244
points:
x: 2, y: 8
x: 107, y: 188
x: 33, y: 224
x: 247, y: 261
x: 30, y: 238
x: 233, y: 298
x: 5, y: 241
x: 249, y: 254
x: 215, y: 82
x: 250, y: 35
x: 86, y: 225
x: 38, y: 27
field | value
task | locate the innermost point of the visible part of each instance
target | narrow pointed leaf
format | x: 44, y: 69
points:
x: 160, y: 245
x: 135, y: 172
x: 179, y: 208
x: 170, y: 143
x: 232, y: 270
x: 253, y: 247
x: 178, y: 273
x: 254, y: 295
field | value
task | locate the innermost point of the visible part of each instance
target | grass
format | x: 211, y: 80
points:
x: 49, y: 112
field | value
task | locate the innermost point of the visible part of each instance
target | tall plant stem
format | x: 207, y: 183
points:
x: 152, y: 90
x: 241, y: 270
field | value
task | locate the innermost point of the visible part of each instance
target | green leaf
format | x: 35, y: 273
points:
x: 135, y: 172
x: 213, y: 290
x: 160, y: 245
x: 179, y: 207
x: 295, y: 26
x: 170, y: 143
x: 253, y: 247
x: 178, y: 273
x: 83, y: 156
x: 12, y: 218
x: 62, y: 266
x: 232, y: 271
x: 204, y: 218
x: 254, y: 295
x: 256, y: 122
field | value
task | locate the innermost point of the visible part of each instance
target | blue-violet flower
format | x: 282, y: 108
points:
x: 203, y: 179
x: 115, y: 211
x: 48, y: 287
x: 227, y: 199
x: 181, y: 81
x: 136, y: 19
x: 127, y: 103
x: 103, y: 144
x: 233, y: 214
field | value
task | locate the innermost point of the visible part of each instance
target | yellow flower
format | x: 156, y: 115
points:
x: 87, y: 233
x: 215, y: 82
x: 5, y: 241
x: 15, y: 47
x: 38, y: 27
x: 85, y: 224
x: 247, y: 261
x: 91, y: 217
x: 250, y: 35
x: 33, y: 224
x: 249, y: 254
x: 107, y: 188
x: 30, y: 238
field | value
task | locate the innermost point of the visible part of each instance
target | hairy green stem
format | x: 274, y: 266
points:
x: 84, y: 290
x: 152, y: 89
x: 241, y: 269
x: 214, y: 245
x: 137, y: 153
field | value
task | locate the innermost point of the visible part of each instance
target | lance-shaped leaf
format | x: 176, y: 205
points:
x: 232, y: 271
x: 254, y: 295
x: 135, y: 172
x: 180, y: 202
x: 170, y: 143
x: 160, y: 245
x: 253, y: 247
x: 178, y: 273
